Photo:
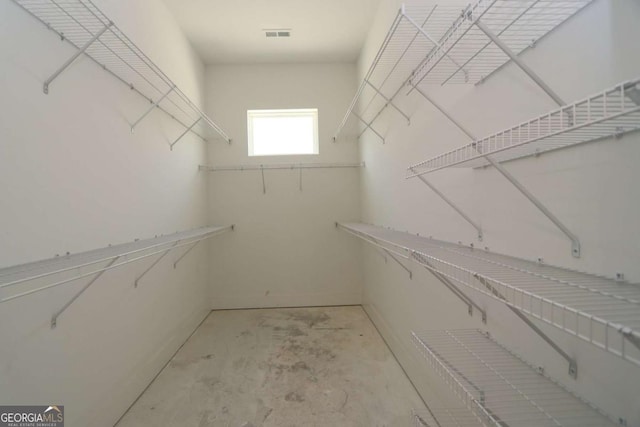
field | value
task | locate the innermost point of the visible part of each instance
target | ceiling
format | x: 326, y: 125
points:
x: 231, y: 31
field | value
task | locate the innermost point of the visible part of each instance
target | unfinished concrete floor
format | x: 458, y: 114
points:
x: 280, y: 367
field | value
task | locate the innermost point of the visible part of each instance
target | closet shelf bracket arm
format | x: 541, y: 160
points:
x: 389, y: 101
x: 186, y: 131
x: 451, y: 204
x: 54, y: 318
x: 524, y: 67
x: 154, y: 105
x: 434, y: 42
x: 404, y: 267
x: 165, y: 253
x: 175, y: 264
x: 575, y: 242
x: 70, y: 61
x: 451, y: 286
x: 368, y: 126
x: 573, y: 365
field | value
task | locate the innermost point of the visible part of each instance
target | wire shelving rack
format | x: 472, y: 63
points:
x: 601, y: 311
x: 472, y: 48
x: 84, y: 26
x: 27, y: 279
x: 610, y: 113
x: 452, y: 42
x: 497, y: 387
x: 280, y: 166
x: 412, y: 35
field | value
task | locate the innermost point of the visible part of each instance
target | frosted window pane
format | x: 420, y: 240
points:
x: 282, y: 132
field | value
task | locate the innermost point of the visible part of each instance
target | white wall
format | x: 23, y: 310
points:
x: 592, y: 188
x: 74, y: 178
x: 285, y: 250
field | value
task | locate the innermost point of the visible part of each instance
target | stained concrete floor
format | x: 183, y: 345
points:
x: 280, y: 367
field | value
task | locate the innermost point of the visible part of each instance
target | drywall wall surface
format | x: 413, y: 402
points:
x: 75, y: 178
x: 591, y: 188
x: 285, y: 250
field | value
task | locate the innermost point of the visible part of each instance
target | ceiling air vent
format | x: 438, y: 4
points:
x: 278, y: 33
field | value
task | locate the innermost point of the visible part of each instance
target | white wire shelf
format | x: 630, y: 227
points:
x: 452, y: 42
x: 90, y: 31
x: 412, y: 35
x: 611, y: 113
x: 596, y: 309
x: 280, y: 166
x: 23, y: 280
x: 499, y: 388
x: 466, y: 54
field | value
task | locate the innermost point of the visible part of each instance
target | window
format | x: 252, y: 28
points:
x: 282, y: 132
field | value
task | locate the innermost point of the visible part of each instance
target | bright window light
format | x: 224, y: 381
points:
x: 282, y: 132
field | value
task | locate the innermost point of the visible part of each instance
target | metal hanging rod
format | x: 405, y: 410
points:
x: 91, y: 33
x: 498, y: 387
x: 111, y: 257
x: 287, y: 166
x: 603, y: 312
x: 281, y: 166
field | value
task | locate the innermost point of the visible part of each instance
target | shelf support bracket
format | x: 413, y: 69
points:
x: 135, y: 283
x: 175, y: 264
x: 575, y: 242
x: 187, y: 130
x: 524, y: 67
x: 154, y: 105
x: 451, y: 286
x: 389, y: 101
x: 70, y: 61
x: 450, y: 203
x: 435, y: 43
x: 368, y: 126
x: 573, y: 365
x: 54, y: 318
x: 393, y: 257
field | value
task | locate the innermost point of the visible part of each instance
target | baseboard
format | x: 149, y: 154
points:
x: 417, y: 370
x: 285, y: 300
x: 149, y: 367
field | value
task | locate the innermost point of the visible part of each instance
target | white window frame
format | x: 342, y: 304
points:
x: 290, y: 112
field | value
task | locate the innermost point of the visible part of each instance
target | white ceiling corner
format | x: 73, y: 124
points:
x: 231, y: 31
